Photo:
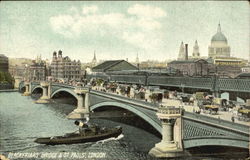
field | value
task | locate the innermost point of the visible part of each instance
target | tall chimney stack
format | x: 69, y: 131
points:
x: 186, y: 52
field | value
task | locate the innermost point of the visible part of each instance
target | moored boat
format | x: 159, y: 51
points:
x: 89, y: 136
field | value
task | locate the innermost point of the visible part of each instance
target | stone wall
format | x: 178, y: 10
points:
x: 6, y: 86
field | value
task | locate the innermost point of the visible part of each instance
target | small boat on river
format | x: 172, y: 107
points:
x: 90, y: 135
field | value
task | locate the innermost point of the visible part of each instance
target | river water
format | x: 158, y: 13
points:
x: 22, y: 121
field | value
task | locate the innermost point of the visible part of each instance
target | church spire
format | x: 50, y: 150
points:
x: 94, y: 61
x: 137, y: 59
x: 94, y: 56
x: 181, y: 52
x: 219, y: 28
x: 196, y: 52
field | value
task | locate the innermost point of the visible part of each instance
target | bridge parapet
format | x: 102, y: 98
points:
x: 169, y: 112
x: 136, y: 102
x: 44, y: 84
x: 81, y: 90
x: 217, y: 122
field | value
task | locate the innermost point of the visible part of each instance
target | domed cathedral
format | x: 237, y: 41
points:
x: 219, y: 46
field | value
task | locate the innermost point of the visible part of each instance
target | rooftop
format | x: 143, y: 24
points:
x: 107, y: 64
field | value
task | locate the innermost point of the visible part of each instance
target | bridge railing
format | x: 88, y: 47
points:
x: 122, y: 98
x: 63, y: 85
x: 133, y: 79
x: 190, y: 82
x: 220, y: 122
x: 240, y: 85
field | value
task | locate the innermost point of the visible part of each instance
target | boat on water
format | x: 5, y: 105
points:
x: 90, y: 135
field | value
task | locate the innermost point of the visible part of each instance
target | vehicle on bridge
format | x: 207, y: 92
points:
x: 210, y: 109
x: 203, y: 99
x: 187, y: 98
x: 244, y: 112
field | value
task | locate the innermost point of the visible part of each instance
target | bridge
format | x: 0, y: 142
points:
x: 180, y: 130
x: 234, y: 87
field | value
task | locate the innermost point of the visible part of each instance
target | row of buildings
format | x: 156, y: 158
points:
x: 218, y: 61
x: 61, y: 68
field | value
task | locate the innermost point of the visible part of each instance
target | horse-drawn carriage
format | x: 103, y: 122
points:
x: 244, y: 112
x: 210, y: 109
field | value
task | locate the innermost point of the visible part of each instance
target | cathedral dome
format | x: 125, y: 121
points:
x: 219, y: 36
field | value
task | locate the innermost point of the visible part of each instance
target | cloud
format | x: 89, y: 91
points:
x: 146, y: 11
x: 89, y: 9
x: 136, y: 30
x: 62, y: 24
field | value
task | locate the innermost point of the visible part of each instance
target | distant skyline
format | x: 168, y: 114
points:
x: 120, y: 30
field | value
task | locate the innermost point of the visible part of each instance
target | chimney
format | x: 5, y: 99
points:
x: 186, y: 52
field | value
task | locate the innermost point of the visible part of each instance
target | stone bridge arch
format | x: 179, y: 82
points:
x: 70, y: 91
x: 216, y: 141
x: 33, y: 89
x: 132, y: 109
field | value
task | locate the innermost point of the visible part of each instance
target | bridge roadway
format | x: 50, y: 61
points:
x: 197, y: 130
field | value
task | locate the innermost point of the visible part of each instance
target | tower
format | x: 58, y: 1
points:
x: 94, y: 61
x: 181, y: 55
x: 186, y: 52
x: 59, y: 54
x: 137, y: 59
x: 137, y: 63
x: 196, y: 52
x: 54, y: 55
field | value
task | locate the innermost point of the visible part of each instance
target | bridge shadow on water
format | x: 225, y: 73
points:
x: 124, y: 116
x: 220, y: 152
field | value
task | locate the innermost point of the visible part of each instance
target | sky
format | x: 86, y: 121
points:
x: 120, y: 29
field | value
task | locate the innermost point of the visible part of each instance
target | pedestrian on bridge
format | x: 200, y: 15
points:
x: 232, y: 119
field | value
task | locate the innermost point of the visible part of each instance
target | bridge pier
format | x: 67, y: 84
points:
x: 168, y: 147
x: 82, y: 110
x: 27, y: 89
x: 45, y: 97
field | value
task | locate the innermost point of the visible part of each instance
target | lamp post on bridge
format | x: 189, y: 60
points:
x: 168, y: 147
x: 82, y: 110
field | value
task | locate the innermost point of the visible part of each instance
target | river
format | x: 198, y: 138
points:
x: 22, y: 121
